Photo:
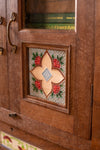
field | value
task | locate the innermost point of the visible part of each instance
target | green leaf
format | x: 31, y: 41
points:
x: 36, y: 54
x: 58, y: 57
x: 61, y: 69
x: 23, y: 146
x: 33, y: 79
x: 61, y: 57
x: 33, y: 65
x: 41, y: 91
x: 34, y: 89
x: 52, y: 56
x: 62, y: 63
x: 60, y: 96
x: 41, y: 54
x: 61, y: 85
x: 52, y: 94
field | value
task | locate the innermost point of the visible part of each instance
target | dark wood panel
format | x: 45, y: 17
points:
x: 51, y: 117
x: 97, y: 53
x: 14, y: 59
x: 4, y: 98
x: 96, y: 128
x: 46, y: 6
x: 53, y: 37
x: 81, y: 76
x: 32, y: 139
x: 96, y: 98
x: 84, y: 67
x: 49, y: 133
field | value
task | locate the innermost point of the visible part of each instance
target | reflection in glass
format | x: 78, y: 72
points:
x: 50, y: 14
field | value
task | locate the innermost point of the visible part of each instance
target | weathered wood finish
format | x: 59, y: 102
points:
x: 46, y: 6
x: 54, y: 119
x: 32, y: 139
x: 14, y: 59
x: 4, y: 98
x: 84, y: 67
x: 71, y: 131
x: 42, y: 130
x: 25, y: 60
x: 96, y: 97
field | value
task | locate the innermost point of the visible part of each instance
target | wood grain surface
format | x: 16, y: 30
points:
x: 84, y: 67
x: 71, y: 131
x: 41, y: 130
x: 96, y: 97
x: 29, y: 138
x: 46, y: 6
x: 4, y: 97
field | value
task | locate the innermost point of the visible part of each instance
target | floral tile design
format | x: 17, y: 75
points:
x: 47, y: 74
x: 13, y: 143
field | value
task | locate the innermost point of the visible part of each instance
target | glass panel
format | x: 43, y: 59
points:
x: 50, y: 14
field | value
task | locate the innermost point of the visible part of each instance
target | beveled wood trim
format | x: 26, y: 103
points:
x: 51, y: 134
x: 21, y: 14
x: 69, y: 78
x: 96, y: 89
x: 28, y: 138
x: 47, y: 37
x: 84, y: 67
x: 25, y: 75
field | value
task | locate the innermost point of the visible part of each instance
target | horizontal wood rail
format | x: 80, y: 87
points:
x: 33, y: 127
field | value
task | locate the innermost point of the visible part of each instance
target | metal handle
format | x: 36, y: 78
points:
x: 13, y: 19
x: 1, y: 20
x: 13, y: 115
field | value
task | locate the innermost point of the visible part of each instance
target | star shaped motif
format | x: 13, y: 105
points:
x: 46, y: 74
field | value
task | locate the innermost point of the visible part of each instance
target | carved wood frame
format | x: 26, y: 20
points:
x: 25, y: 76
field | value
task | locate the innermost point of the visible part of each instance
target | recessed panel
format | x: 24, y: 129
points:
x: 47, y: 71
x: 46, y: 75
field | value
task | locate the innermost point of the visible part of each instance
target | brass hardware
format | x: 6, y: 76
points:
x: 1, y: 51
x: 13, y: 19
x: 1, y: 20
x: 13, y: 115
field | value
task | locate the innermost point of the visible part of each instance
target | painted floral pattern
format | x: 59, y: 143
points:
x: 13, y: 143
x: 47, y: 73
x: 55, y: 63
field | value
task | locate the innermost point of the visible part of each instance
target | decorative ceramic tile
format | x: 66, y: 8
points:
x: 47, y: 72
x: 13, y: 143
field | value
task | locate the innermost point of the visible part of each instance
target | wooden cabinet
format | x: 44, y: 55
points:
x: 46, y: 83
